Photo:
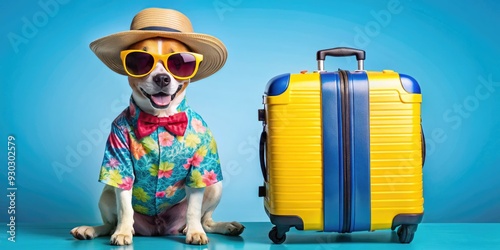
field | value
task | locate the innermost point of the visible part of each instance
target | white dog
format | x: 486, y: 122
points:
x: 161, y: 165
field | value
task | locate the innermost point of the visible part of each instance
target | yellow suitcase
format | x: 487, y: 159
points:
x: 342, y: 151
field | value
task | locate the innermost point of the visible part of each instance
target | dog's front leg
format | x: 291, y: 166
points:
x: 194, y: 230
x: 125, y: 226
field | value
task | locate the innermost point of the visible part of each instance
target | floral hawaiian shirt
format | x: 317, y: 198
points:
x: 158, y: 166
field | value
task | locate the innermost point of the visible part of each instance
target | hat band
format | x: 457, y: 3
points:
x: 160, y: 29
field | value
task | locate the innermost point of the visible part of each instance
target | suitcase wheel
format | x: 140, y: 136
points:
x: 406, y: 233
x: 273, y: 235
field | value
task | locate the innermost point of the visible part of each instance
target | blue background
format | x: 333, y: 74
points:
x: 58, y: 99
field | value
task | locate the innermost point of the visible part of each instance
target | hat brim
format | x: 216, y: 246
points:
x: 213, y: 50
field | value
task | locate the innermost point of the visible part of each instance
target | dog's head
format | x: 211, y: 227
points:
x: 159, y: 92
x: 161, y: 31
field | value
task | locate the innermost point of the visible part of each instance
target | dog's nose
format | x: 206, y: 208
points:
x: 162, y: 80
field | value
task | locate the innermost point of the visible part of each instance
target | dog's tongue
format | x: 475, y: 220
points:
x: 161, y: 99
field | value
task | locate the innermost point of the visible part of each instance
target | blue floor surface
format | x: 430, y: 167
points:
x: 428, y: 236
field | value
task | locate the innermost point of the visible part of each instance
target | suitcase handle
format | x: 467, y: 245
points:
x: 424, y: 150
x: 262, y: 152
x: 340, y: 52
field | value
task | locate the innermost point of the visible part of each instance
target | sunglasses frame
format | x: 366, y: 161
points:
x: 163, y: 58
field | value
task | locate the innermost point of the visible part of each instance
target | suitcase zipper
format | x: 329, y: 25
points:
x: 346, y: 141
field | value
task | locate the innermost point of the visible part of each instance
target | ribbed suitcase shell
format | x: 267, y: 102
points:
x: 294, y: 151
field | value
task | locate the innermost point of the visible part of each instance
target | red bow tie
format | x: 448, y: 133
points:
x: 147, y: 124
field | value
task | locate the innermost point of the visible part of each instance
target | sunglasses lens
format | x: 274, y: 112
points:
x: 139, y: 63
x: 182, y: 64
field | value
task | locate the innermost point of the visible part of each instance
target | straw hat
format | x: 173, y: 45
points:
x: 167, y: 23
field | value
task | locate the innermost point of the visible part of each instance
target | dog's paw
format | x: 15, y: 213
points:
x: 121, y: 239
x: 234, y: 228
x: 83, y: 233
x: 196, y: 238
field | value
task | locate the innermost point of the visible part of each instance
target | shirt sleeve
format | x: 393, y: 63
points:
x: 116, y: 168
x: 205, y: 164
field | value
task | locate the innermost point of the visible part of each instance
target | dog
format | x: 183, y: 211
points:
x: 161, y: 166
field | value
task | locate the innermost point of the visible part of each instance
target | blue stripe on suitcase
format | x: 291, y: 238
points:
x: 332, y: 144
x: 333, y: 203
x: 360, y: 148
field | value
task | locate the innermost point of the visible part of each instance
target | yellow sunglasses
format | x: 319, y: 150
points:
x: 182, y: 65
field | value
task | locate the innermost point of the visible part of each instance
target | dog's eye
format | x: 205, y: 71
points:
x: 145, y: 48
x: 177, y: 62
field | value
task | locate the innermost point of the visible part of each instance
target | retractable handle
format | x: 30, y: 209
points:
x: 340, y: 52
